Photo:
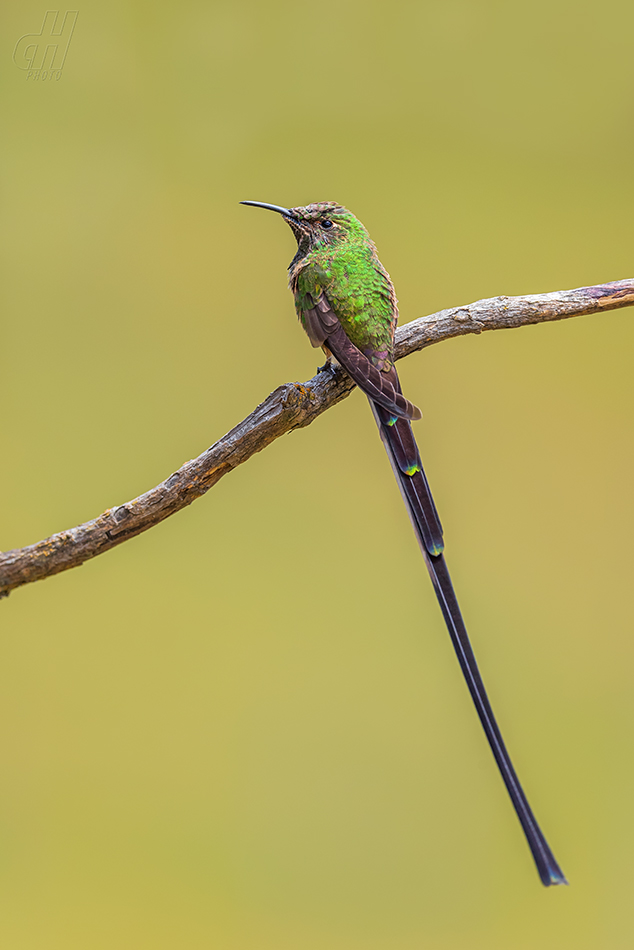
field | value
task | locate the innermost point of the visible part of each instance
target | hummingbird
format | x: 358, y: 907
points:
x: 346, y: 303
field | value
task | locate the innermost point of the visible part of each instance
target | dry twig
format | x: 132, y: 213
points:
x: 289, y: 407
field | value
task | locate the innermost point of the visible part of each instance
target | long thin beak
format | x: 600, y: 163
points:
x: 262, y: 204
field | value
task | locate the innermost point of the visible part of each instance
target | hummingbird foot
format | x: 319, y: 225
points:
x: 327, y: 367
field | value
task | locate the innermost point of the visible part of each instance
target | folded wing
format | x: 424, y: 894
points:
x: 323, y: 327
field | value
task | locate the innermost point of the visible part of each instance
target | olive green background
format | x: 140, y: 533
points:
x: 246, y: 729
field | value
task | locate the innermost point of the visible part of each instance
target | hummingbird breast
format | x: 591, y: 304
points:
x: 360, y: 293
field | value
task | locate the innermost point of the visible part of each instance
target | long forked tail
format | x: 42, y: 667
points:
x: 400, y: 444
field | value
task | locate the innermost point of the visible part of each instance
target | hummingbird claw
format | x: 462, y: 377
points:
x: 327, y: 367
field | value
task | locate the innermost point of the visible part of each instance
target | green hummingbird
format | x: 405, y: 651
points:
x: 346, y: 303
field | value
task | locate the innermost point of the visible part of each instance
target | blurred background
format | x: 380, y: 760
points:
x: 246, y: 729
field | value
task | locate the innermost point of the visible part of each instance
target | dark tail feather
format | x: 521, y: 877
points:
x: 547, y: 867
x: 399, y: 441
x: 402, y: 450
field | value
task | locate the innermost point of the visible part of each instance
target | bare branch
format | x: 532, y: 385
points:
x: 289, y: 407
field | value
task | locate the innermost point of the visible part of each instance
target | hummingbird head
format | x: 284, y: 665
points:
x: 318, y: 225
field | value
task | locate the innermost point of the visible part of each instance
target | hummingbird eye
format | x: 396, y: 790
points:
x: 326, y: 224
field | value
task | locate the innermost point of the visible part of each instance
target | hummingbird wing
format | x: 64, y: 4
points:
x: 323, y: 326
x: 393, y: 413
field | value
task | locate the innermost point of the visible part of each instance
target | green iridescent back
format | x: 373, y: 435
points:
x: 345, y: 267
